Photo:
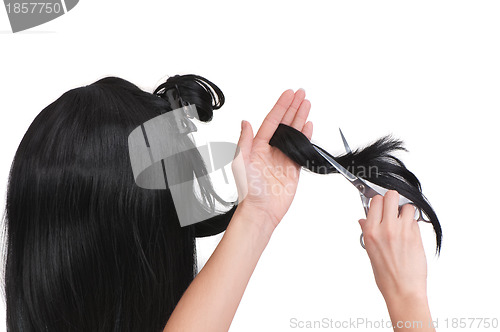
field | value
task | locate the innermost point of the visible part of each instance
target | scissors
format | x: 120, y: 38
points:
x: 367, y: 190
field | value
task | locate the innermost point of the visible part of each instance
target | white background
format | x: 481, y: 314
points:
x: 428, y: 72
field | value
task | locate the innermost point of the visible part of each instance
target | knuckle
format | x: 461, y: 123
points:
x: 392, y: 194
x: 377, y: 199
x: 409, y: 208
x: 377, y: 203
x: 369, y: 236
x: 390, y: 235
x: 408, y: 212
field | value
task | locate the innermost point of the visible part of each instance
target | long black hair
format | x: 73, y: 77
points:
x: 87, y: 249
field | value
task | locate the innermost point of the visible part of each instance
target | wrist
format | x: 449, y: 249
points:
x: 406, y: 300
x: 258, y: 221
x: 410, y: 308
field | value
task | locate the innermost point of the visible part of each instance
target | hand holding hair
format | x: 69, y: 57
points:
x: 266, y: 178
x: 395, y: 249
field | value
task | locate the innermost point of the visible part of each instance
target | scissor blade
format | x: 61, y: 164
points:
x: 348, y: 175
x: 366, y: 189
x: 347, y: 148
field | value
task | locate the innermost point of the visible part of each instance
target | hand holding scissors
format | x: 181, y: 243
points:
x: 367, y: 190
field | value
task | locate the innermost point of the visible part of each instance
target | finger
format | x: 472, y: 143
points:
x: 308, y: 130
x: 407, y: 213
x: 274, y: 117
x: 391, y: 205
x: 375, y: 211
x: 292, y: 110
x: 301, y: 115
x: 414, y: 230
x: 246, y: 139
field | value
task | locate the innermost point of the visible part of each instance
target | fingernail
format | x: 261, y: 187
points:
x: 242, y: 124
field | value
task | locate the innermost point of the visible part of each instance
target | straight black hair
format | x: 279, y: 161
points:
x: 87, y: 249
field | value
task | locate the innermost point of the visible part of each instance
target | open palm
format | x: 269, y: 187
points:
x: 266, y: 178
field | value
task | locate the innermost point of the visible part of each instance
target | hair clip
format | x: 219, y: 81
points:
x: 176, y: 102
x: 182, y: 111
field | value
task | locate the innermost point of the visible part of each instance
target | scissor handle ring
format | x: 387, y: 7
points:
x: 361, y: 241
x: 418, y: 214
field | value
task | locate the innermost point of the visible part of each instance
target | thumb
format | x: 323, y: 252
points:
x: 246, y: 139
x: 362, y: 223
x: 242, y: 153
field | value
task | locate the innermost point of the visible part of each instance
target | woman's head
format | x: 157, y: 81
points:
x: 88, y: 250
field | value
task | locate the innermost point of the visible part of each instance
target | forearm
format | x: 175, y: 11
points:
x: 210, y: 302
x: 410, y: 313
